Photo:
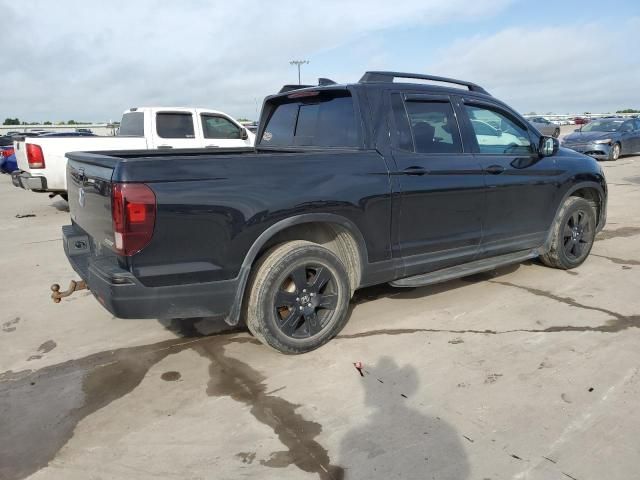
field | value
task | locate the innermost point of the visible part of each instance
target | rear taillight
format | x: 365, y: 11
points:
x: 133, y: 210
x: 35, y: 156
x: 7, y: 152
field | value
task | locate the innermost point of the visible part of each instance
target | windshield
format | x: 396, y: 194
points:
x: 602, y: 126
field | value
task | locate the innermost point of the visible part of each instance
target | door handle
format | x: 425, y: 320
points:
x: 164, y: 147
x: 415, y: 170
x: 494, y: 169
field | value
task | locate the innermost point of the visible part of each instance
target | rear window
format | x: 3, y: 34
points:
x: 175, y: 125
x: 132, y: 125
x: 324, y: 120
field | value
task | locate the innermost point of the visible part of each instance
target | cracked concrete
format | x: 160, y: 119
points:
x: 523, y: 373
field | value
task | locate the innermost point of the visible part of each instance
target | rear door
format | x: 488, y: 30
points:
x: 442, y: 200
x: 521, y: 186
x: 174, y: 129
x: 217, y: 130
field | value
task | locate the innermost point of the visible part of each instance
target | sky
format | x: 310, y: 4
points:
x: 90, y: 61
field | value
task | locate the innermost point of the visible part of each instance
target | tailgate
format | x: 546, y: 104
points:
x: 21, y: 155
x: 89, y: 190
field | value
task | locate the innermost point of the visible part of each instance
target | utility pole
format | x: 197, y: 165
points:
x: 298, y: 63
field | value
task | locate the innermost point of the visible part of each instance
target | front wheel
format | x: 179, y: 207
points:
x: 614, y: 153
x: 573, y: 233
x: 298, y: 297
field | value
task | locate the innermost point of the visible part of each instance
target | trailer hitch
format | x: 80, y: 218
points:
x: 74, y: 286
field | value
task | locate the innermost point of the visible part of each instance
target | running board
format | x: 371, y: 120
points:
x: 463, y: 270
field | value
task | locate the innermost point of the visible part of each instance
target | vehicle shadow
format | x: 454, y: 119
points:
x: 60, y: 205
x: 398, y: 441
x: 206, y: 326
x: 385, y: 290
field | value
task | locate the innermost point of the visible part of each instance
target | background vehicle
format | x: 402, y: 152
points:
x: 348, y: 186
x: 42, y: 161
x: 8, y: 162
x: 581, y: 121
x: 606, y: 138
x: 545, y: 127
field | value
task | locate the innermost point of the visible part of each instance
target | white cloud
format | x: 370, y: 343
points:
x: 552, y: 69
x: 91, y: 60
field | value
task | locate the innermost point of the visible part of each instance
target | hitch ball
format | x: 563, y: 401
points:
x: 74, y: 286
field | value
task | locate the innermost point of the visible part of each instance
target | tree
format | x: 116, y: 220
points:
x: 628, y: 110
x: 47, y: 123
x: 11, y: 121
x: 71, y: 122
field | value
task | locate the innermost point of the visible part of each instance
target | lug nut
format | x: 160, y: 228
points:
x: 312, y: 294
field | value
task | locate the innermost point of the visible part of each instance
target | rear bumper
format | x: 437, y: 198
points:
x: 122, y: 294
x: 28, y: 182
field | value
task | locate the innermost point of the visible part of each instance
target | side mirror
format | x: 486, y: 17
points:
x: 548, y: 146
x: 244, y: 134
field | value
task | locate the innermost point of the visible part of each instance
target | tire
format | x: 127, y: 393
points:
x: 614, y: 153
x: 573, y: 233
x: 65, y: 197
x: 298, y: 297
x: 556, y: 133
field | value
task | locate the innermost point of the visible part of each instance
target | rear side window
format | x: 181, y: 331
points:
x: 132, y: 125
x: 432, y: 126
x: 214, y: 126
x: 323, y: 120
x: 174, y: 125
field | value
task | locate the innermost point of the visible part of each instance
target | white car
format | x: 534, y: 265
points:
x: 42, y: 162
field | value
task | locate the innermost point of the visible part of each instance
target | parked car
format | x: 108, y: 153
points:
x: 606, y: 138
x: 348, y: 186
x: 84, y: 130
x: 67, y: 134
x: 8, y: 163
x: 580, y: 121
x: 545, y: 127
x: 42, y: 161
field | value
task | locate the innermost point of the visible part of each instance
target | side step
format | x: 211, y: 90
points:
x: 463, y: 270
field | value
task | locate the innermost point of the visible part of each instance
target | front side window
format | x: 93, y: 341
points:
x: 175, y: 125
x: 217, y: 127
x: 426, y: 126
x: 497, y: 133
x: 323, y: 120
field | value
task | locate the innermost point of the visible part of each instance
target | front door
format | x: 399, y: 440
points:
x: 521, y: 186
x: 442, y: 199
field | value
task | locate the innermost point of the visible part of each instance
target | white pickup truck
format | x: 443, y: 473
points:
x: 42, y: 162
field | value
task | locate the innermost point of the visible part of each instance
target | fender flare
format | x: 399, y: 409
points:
x: 233, y: 316
x: 574, y: 188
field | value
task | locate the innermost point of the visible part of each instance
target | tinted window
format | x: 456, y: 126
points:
x: 325, y: 120
x: 434, y: 127
x: 498, y: 133
x: 175, y: 125
x: 132, y: 125
x: 219, y: 127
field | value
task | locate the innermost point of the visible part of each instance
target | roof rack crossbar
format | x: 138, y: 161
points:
x: 388, y: 77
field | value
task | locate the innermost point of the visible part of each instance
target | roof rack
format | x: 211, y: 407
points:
x: 388, y: 77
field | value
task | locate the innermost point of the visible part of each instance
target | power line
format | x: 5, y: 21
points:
x: 298, y: 63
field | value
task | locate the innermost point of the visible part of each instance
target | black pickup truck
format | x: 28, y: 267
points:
x: 391, y: 179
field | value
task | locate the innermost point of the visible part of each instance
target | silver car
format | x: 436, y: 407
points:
x: 545, y: 127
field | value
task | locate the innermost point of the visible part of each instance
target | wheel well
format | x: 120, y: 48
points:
x: 332, y: 236
x: 593, y: 196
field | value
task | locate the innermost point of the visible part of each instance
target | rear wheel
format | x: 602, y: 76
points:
x: 574, y: 230
x: 614, y: 153
x: 298, y: 297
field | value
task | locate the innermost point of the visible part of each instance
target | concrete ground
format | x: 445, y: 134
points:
x: 524, y: 373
